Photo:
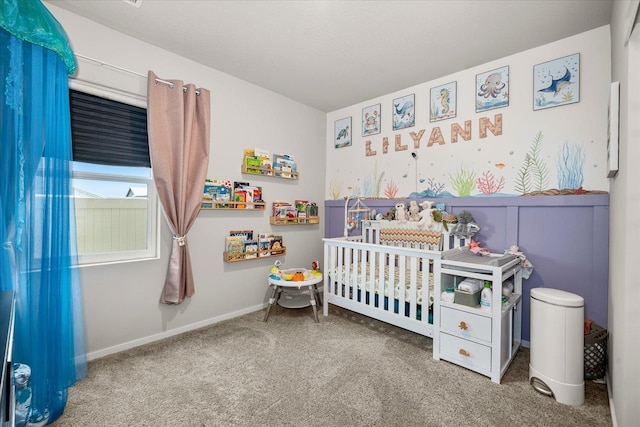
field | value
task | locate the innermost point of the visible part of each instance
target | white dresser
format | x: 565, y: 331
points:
x: 483, y: 341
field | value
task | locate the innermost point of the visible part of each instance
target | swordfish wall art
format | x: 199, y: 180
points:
x: 556, y: 82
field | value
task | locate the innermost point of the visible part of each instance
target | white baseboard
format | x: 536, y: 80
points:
x: 611, y: 407
x: 156, y: 337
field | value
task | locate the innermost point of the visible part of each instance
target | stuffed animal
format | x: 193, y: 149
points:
x: 414, y: 211
x: 426, y: 215
x: 401, y: 212
x: 465, y: 228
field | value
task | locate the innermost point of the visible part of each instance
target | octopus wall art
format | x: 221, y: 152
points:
x: 492, y: 89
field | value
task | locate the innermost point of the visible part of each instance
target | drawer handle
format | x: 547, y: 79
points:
x: 464, y: 352
x: 462, y: 326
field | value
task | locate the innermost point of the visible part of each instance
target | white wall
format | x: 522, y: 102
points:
x: 121, y: 301
x: 582, y: 124
x: 624, y: 232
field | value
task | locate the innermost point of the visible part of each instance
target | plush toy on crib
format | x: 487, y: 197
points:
x: 426, y: 215
x: 401, y: 212
x: 414, y: 211
x: 465, y: 228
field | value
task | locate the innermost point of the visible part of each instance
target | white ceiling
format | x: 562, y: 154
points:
x: 332, y: 54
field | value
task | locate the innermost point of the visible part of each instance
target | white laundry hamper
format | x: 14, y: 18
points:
x: 556, y: 365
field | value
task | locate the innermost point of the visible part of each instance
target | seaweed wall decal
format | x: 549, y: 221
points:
x: 538, y: 166
x: 523, y: 180
x: 335, y: 189
x: 377, y: 181
x: 463, y: 181
x: 367, y: 187
x: 570, y: 166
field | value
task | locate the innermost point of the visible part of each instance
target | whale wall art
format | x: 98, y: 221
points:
x: 556, y: 82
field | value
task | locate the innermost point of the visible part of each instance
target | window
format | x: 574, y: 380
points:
x: 115, y: 198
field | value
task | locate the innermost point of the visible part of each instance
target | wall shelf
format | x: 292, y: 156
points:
x: 294, y: 221
x: 242, y: 256
x: 226, y: 204
x: 267, y: 171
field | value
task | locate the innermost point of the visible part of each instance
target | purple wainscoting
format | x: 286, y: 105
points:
x: 566, y: 238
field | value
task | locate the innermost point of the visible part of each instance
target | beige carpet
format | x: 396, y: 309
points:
x: 348, y: 370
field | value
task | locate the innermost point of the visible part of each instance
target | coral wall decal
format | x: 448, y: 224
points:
x: 435, y: 188
x: 391, y: 190
x: 489, y: 184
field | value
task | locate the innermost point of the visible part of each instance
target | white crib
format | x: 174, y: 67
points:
x: 368, y: 273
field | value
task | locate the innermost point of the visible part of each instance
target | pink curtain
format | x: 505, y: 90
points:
x: 178, y: 120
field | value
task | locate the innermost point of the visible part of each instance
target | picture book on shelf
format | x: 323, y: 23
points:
x: 245, y: 234
x: 234, y: 244
x: 275, y: 245
x: 284, y: 164
x: 264, y: 244
x: 251, y: 248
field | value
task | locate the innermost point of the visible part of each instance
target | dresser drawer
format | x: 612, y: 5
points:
x: 465, y: 353
x: 465, y: 324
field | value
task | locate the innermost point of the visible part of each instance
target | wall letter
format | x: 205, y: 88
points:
x: 400, y: 147
x: 436, y: 136
x: 457, y: 130
x: 416, y: 138
x: 368, y: 149
x: 486, y: 123
x: 385, y: 145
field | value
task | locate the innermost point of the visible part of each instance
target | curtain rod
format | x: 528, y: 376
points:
x: 97, y: 61
x: 105, y: 64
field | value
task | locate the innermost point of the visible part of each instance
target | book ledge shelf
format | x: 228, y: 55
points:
x: 226, y: 204
x: 268, y: 171
x: 247, y: 256
x: 294, y: 221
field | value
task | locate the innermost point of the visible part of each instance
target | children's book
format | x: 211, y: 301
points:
x: 234, y: 244
x: 251, y: 248
x: 245, y: 234
x: 264, y: 244
x: 275, y: 245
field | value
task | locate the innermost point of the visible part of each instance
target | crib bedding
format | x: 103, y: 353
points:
x: 371, y: 279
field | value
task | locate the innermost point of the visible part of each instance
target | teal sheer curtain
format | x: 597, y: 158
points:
x: 37, y: 221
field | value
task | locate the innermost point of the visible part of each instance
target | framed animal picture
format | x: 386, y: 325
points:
x: 371, y: 120
x: 492, y: 89
x: 443, y: 102
x: 556, y: 82
x: 404, y: 112
x: 342, y: 132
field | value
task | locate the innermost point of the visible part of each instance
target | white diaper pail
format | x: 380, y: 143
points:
x: 556, y: 365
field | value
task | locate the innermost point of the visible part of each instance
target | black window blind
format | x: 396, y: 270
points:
x: 108, y: 132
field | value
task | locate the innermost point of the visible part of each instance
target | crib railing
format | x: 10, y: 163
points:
x: 388, y: 283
